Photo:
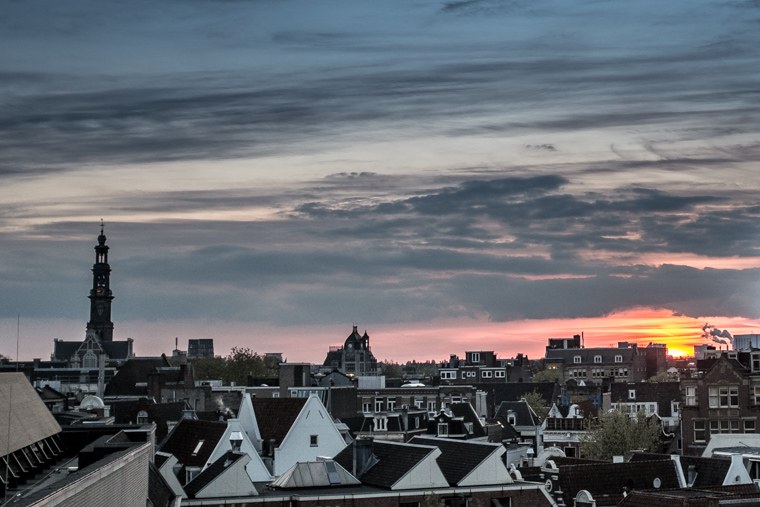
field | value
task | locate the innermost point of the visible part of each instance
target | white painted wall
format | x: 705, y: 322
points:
x: 490, y: 471
x: 256, y: 469
x: 427, y: 474
x: 296, y: 446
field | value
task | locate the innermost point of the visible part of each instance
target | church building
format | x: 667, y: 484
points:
x: 353, y: 358
x: 98, y: 342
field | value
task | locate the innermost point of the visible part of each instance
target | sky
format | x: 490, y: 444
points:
x: 446, y: 175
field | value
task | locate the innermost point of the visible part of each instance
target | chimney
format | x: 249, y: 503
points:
x: 236, y: 440
x: 362, y: 455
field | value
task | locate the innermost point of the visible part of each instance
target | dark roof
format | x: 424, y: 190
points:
x: 394, y: 460
x: 524, y: 415
x: 116, y: 349
x: 184, y: 439
x: 467, y: 413
x: 135, y: 370
x: 64, y: 350
x: 613, y: 479
x: 333, y: 356
x: 695, y: 497
x: 710, y: 471
x: 513, y: 391
x: 212, y: 472
x: 458, y: 457
x: 275, y: 416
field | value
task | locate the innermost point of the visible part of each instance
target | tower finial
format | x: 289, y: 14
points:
x: 102, y: 225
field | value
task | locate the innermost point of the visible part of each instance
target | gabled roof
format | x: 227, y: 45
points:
x: 65, y: 349
x: 315, y: 474
x: 394, y: 461
x: 135, y: 370
x: 524, y: 415
x: 30, y: 420
x: 458, y: 457
x: 275, y: 416
x: 183, y: 442
x: 211, y: 473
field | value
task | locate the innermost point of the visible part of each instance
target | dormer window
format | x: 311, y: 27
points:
x: 443, y: 429
x: 631, y: 394
x: 142, y: 417
x: 577, y: 360
x: 618, y: 359
x: 597, y: 359
x: 476, y: 357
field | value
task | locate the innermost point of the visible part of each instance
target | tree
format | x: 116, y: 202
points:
x: 392, y: 369
x: 547, y: 376
x: 237, y: 367
x: 537, y: 403
x: 617, y: 434
x: 662, y: 376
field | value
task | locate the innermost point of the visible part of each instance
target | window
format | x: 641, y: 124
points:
x: 443, y: 429
x: 198, y: 447
x: 366, y: 406
x: 757, y: 395
x: 577, y: 359
x: 756, y: 362
x: 500, y: 374
x: 618, y: 359
x: 431, y: 406
x: 470, y: 373
x: 631, y: 394
x: 674, y: 407
x: 450, y: 375
x: 391, y: 405
x: 381, y: 424
x: 476, y: 357
x: 418, y: 403
x: 464, y: 374
x: 314, y: 440
x: 598, y: 359
x: 723, y: 396
x: 487, y: 374
x: 749, y: 426
x: 734, y: 426
x: 468, y: 427
x: 378, y: 404
x: 142, y: 417
x: 90, y: 360
x: 699, y: 431
x: 691, y: 395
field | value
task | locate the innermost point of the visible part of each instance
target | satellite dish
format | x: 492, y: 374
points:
x: 91, y: 402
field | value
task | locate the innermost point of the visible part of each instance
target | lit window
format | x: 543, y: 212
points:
x: 691, y: 395
x: 198, y: 447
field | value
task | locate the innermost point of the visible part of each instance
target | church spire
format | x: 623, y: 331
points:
x: 100, y: 324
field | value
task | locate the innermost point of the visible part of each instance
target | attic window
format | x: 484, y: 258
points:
x: 443, y: 429
x: 597, y: 359
x: 142, y: 417
x: 631, y: 394
x: 198, y: 447
x: 314, y: 440
x: 577, y: 359
x: 618, y: 359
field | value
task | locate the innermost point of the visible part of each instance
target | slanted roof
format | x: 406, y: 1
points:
x: 613, y: 479
x: 710, y: 471
x: 315, y: 474
x: 134, y: 371
x: 275, y: 416
x: 497, y: 392
x: 700, y: 497
x: 63, y: 350
x: 116, y: 349
x: 214, y: 470
x: 30, y: 420
x: 183, y: 441
x: 458, y: 457
x: 524, y: 415
x: 467, y: 413
x: 394, y: 461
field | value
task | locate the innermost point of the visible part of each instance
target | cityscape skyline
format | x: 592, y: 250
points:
x: 448, y: 175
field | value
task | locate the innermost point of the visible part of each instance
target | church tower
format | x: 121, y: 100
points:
x: 100, y: 325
